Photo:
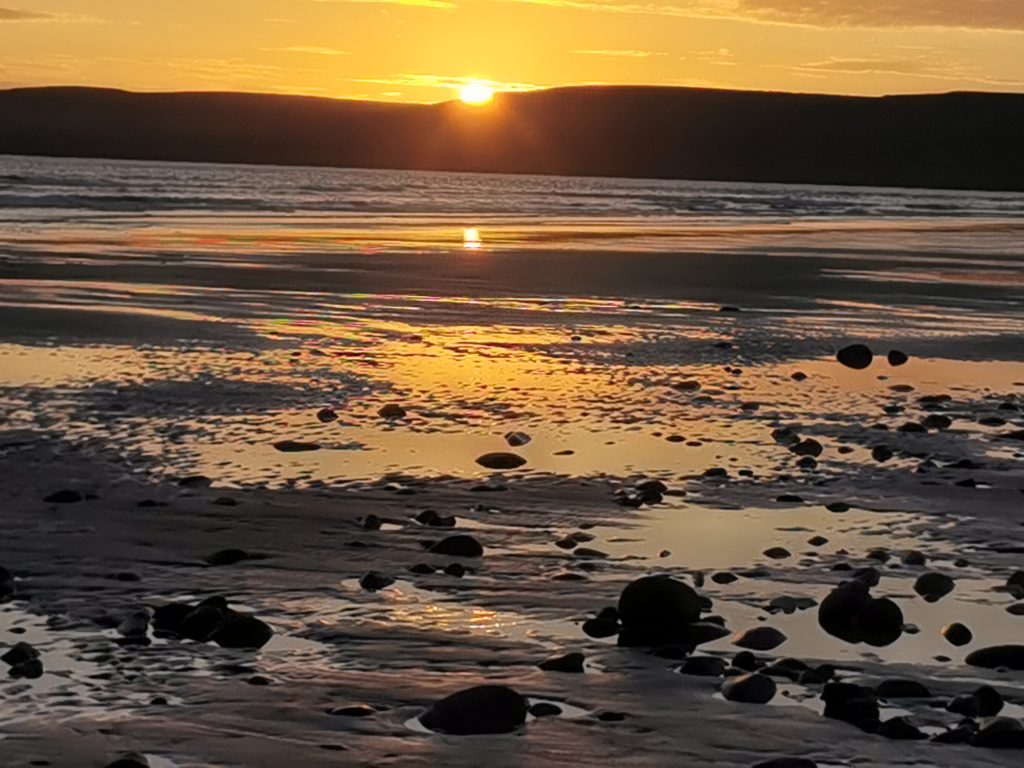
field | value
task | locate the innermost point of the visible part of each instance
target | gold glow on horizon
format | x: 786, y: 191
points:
x: 423, y: 50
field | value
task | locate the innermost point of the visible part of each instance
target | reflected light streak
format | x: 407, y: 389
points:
x: 471, y: 239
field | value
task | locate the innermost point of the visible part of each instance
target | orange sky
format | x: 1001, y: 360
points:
x: 418, y: 50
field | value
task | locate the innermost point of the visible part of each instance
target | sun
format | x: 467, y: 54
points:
x: 476, y: 93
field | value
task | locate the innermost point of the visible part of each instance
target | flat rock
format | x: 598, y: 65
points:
x: 902, y: 689
x: 375, y: 580
x: 479, y: 710
x: 459, y: 545
x: 500, y: 460
x: 993, y: 657
x: 295, y: 446
x: 570, y: 662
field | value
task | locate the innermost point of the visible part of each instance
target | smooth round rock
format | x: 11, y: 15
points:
x: 391, y: 411
x: 570, y: 662
x: 759, y: 639
x: 479, y: 710
x: 656, y: 609
x: 957, y: 634
x: 753, y: 688
x: 856, y: 356
x: 897, y: 358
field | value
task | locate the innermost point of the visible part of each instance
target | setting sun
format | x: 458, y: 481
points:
x: 476, y: 93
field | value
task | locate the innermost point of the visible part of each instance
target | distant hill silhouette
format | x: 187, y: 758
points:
x: 956, y: 140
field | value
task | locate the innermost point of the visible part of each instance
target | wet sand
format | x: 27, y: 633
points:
x: 138, y: 358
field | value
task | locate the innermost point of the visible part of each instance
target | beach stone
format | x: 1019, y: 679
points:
x: 353, y: 710
x: 479, y: 710
x: 703, y: 666
x: 817, y: 541
x: 545, y: 709
x: 130, y: 760
x: 1015, y: 585
x: 936, y: 421
x: 850, y: 613
x: 27, y: 670
x: 295, y: 446
x: 459, y: 545
x: 500, y: 460
x: 326, y: 415
x: 421, y: 568
x: 787, y: 762
x: 570, y: 662
x: 654, y: 610
x: 808, y: 447
x: 789, y: 498
x: 6, y: 583
x: 517, y: 439
x: 777, y: 553
x: 961, y: 734
x: 881, y: 453
x: 759, y: 639
x: 601, y: 627
x: 228, y: 557
x: 852, y: 704
x: 747, y: 661
x: 458, y: 570
x: 913, y: 557
x: 431, y: 518
x: 856, y: 356
x: 897, y: 358
x: 724, y: 577
x: 993, y: 657
x: 901, y: 729
x: 988, y: 701
x: 964, y: 704
x: 1000, y: 733
x: 241, y: 631
x: 1017, y: 609
x: 957, y: 634
x: 838, y: 506
x: 391, y: 411
x: 752, y: 688
x: 375, y: 580
x: 933, y: 586
x: 169, y: 618
x: 701, y: 632
x: 200, y: 622
x: 902, y: 689
x: 785, y: 436
x: 18, y: 654
x: 64, y: 497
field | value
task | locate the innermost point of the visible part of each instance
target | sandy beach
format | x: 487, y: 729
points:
x: 196, y: 361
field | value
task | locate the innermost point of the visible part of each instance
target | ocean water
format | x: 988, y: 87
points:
x: 189, y: 310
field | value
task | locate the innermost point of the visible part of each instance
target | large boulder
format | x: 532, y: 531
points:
x: 483, y: 709
x: 656, y: 610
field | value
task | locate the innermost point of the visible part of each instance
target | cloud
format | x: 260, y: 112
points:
x: 313, y: 50
x: 13, y: 14
x: 415, y: 3
x: 620, y: 53
x: 918, y: 66
x: 445, y: 82
x: 975, y: 14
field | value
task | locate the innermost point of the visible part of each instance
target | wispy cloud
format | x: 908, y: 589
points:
x: 619, y: 53
x: 16, y: 14
x: 312, y: 50
x: 1007, y: 15
x: 916, y: 66
x: 415, y: 3
x: 444, y: 82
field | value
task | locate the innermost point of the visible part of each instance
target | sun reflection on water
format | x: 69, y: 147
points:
x: 471, y: 239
